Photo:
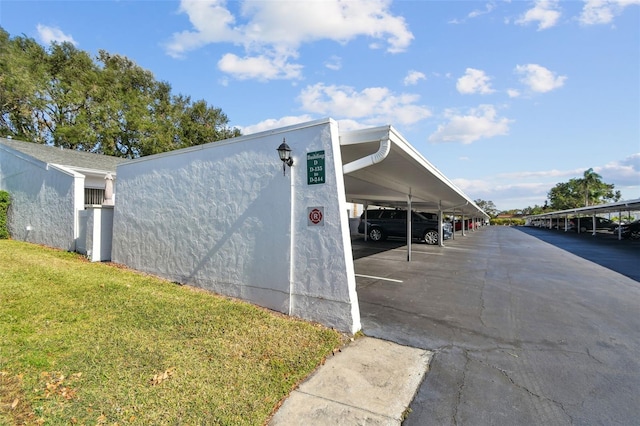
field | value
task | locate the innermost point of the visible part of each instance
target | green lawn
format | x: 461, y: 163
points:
x: 91, y: 343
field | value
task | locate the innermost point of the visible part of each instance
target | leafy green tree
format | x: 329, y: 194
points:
x: 582, y: 192
x: 536, y: 209
x: 62, y: 97
x: 23, y: 78
x: 488, y: 207
x: 65, y: 106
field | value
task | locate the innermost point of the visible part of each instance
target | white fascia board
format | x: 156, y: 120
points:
x: 66, y: 170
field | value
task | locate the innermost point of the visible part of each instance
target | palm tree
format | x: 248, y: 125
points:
x: 590, y: 179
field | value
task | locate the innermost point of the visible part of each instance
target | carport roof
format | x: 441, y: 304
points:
x: 388, y: 180
x: 630, y: 205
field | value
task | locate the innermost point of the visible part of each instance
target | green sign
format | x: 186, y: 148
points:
x: 315, y: 167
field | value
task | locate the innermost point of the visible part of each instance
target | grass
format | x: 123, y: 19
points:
x: 92, y: 343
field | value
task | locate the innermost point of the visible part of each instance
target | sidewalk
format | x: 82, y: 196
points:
x: 370, y: 381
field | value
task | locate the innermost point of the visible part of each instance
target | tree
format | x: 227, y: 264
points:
x: 62, y: 97
x: 65, y: 105
x: 531, y: 211
x: 488, y: 207
x: 23, y: 77
x: 582, y: 192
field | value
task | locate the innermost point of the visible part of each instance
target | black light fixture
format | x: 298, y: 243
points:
x: 285, y: 155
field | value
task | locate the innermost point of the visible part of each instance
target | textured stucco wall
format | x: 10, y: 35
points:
x: 42, y: 207
x: 223, y: 217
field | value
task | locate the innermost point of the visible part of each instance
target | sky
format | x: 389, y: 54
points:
x: 506, y: 98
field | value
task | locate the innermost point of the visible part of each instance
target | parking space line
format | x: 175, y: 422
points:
x: 378, y: 278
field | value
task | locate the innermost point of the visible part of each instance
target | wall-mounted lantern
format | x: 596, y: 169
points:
x: 285, y: 155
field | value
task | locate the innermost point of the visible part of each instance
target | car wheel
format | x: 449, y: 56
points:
x: 431, y: 237
x: 376, y: 234
x: 634, y: 235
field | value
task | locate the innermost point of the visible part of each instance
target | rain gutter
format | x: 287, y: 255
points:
x: 369, y: 160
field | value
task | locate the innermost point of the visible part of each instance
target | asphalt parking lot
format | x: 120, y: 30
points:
x: 525, y: 327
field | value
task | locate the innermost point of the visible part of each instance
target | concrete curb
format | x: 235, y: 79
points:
x: 370, y: 381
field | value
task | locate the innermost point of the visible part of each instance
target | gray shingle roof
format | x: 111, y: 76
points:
x: 65, y: 157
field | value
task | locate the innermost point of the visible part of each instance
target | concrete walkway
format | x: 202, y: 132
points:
x: 370, y: 382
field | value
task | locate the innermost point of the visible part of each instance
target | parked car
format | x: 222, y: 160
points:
x: 629, y: 230
x: 383, y: 223
x: 468, y: 225
x: 586, y: 224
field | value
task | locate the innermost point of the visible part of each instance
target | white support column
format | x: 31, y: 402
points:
x: 463, y: 225
x: 594, y: 225
x: 440, y: 227
x: 619, y: 225
x: 366, y: 225
x: 453, y: 225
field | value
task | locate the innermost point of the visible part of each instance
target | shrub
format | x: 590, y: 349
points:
x: 513, y: 221
x: 5, y: 200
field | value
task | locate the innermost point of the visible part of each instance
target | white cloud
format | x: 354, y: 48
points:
x: 49, y: 35
x: 273, y: 123
x: 505, y: 195
x: 545, y: 12
x: 334, y: 63
x: 478, y: 123
x: 474, y: 81
x: 276, y: 29
x: 413, y: 77
x: 479, y: 12
x: 624, y: 173
x: 488, y: 8
x: 278, y: 123
x: 538, y: 78
x: 513, y: 93
x: 373, y: 105
x: 527, y: 188
x: 259, y: 67
x: 603, y: 11
x: 542, y: 174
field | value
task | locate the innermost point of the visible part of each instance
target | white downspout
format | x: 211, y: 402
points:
x: 292, y: 242
x: 369, y: 160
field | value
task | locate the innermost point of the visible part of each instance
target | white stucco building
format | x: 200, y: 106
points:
x: 224, y: 217
x: 58, y: 196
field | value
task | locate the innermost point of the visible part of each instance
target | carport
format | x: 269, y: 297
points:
x: 589, y: 211
x: 381, y: 168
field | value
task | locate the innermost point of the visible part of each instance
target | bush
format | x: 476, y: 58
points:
x: 513, y: 221
x: 5, y: 200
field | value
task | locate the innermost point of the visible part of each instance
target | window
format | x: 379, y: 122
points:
x: 93, y: 196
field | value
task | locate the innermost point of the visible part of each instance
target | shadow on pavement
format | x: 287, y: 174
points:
x: 362, y: 248
x: 622, y: 256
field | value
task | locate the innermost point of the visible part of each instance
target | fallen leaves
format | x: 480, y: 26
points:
x: 13, y: 402
x: 56, y: 384
x: 161, y: 377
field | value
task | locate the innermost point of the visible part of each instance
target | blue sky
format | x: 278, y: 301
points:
x: 506, y: 98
